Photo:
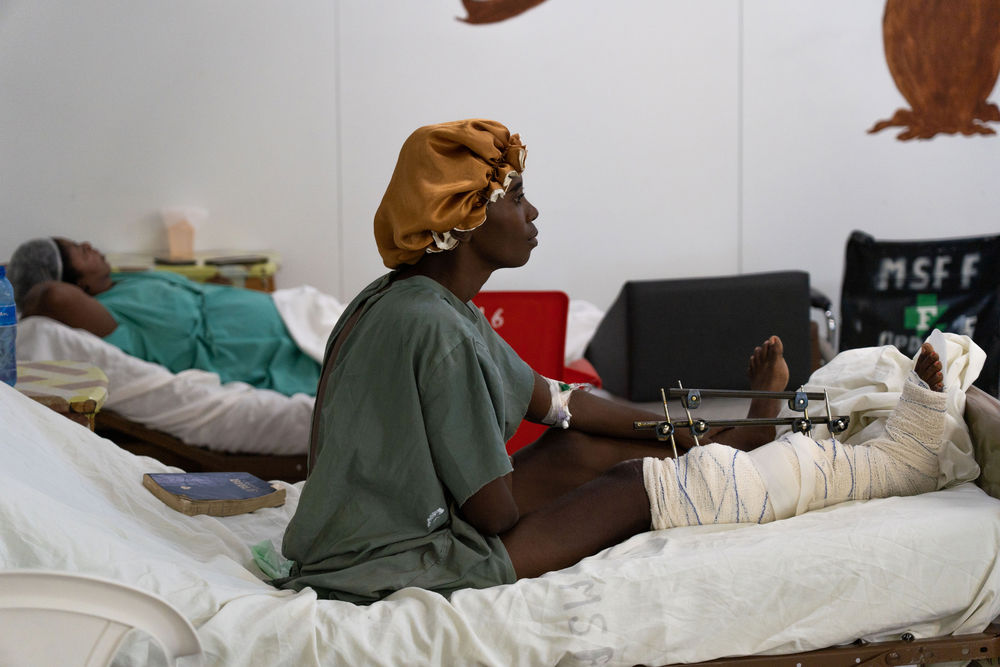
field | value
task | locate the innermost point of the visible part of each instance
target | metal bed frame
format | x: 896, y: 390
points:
x: 905, y: 651
x: 144, y: 441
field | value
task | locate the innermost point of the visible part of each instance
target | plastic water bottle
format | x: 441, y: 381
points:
x: 8, y: 330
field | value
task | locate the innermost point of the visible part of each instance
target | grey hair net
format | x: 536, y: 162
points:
x: 33, y: 262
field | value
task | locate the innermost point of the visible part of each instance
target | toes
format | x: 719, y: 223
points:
x: 769, y: 351
x: 927, y: 356
x: 929, y: 367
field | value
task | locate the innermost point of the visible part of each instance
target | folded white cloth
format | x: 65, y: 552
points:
x: 309, y: 316
x: 584, y: 318
x: 866, y: 383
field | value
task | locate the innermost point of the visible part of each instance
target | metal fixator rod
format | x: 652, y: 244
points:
x: 669, y: 426
x: 837, y: 425
x: 749, y: 421
x: 691, y: 399
x: 744, y: 393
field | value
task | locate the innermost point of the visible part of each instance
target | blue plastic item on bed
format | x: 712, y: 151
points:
x: 8, y: 330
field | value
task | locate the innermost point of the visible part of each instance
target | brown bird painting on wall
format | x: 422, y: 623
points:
x: 944, y: 56
x: 494, y: 11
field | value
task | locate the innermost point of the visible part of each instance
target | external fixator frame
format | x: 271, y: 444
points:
x: 691, y: 400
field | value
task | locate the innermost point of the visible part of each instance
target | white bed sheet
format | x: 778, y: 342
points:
x: 192, y: 405
x: 70, y: 500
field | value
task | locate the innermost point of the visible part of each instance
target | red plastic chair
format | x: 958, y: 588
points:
x: 534, y: 324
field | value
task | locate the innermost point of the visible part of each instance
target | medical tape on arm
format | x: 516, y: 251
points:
x: 559, y: 392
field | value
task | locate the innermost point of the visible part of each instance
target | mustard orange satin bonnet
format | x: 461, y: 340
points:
x: 445, y: 176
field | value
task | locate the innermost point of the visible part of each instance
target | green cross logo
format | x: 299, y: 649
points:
x: 925, y: 315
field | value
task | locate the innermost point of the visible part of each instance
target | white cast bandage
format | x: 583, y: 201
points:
x: 710, y: 484
x: 719, y: 484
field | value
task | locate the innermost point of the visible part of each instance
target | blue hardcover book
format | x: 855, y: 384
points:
x: 214, y: 493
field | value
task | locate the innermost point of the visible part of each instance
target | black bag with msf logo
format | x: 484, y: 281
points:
x: 895, y: 292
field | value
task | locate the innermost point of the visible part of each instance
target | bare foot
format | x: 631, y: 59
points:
x: 768, y: 371
x: 928, y: 367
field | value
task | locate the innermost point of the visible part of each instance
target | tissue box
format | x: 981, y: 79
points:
x: 180, y: 223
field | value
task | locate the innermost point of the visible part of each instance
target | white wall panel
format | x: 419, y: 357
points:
x: 113, y: 109
x: 629, y: 112
x: 815, y: 80
x: 666, y: 137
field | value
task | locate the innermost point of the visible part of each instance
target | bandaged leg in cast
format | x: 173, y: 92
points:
x: 795, y: 474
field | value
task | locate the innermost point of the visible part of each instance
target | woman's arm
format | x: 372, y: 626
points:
x: 70, y: 305
x: 593, y: 414
x: 600, y: 416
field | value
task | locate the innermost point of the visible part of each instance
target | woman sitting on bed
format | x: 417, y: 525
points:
x: 410, y: 484
x: 162, y: 317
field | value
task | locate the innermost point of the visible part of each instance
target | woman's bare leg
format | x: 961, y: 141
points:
x: 561, y: 461
x: 768, y: 371
x: 600, y: 513
x: 579, y: 493
x: 604, y: 510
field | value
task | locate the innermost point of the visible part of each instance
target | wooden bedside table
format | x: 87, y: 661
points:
x: 74, y: 389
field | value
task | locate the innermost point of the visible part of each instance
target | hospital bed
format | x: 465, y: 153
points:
x: 188, y: 419
x: 884, y: 570
x: 192, y: 421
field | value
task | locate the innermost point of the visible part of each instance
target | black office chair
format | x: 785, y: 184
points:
x: 701, y: 331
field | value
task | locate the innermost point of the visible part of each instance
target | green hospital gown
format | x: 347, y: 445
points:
x: 181, y: 324
x: 413, y: 422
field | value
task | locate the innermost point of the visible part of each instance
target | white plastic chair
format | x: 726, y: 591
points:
x: 62, y: 618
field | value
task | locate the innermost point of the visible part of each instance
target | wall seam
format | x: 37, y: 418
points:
x: 338, y: 158
x: 739, y: 137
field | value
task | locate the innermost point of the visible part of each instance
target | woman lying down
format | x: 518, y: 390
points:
x: 162, y: 317
x: 410, y: 484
